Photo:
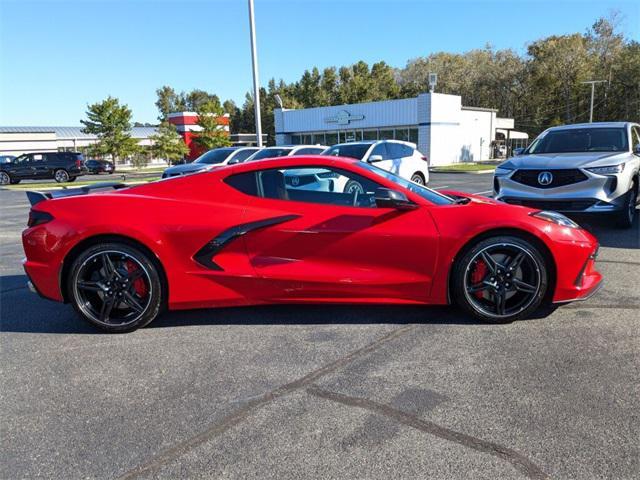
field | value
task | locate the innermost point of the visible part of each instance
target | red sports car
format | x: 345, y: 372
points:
x: 289, y: 230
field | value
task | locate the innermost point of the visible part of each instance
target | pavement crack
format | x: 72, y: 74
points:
x: 519, y: 461
x: 228, y: 422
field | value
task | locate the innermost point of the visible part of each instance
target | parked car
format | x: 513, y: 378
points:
x: 99, y: 166
x: 591, y: 168
x: 6, y: 158
x: 287, y: 151
x: 240, y: 235
x: 61, y: 166
x: 395, y: 156
x: 212, y: 159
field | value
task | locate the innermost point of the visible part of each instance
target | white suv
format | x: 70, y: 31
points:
x: 395, y: 156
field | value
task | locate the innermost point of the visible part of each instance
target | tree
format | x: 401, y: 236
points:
x: 168, y: 143
x: 169, y: 102
x: 111, y: 123
x: 212, y: 134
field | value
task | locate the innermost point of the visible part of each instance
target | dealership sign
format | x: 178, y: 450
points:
x: 343, y: 118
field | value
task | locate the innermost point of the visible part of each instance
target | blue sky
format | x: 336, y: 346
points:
x: 57, y: 56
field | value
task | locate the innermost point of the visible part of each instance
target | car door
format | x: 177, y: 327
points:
x: 23, y: 167
x: 41, y: 165
x: 325, y: 245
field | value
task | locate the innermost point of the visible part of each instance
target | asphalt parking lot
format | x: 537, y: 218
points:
x: 324, y: 392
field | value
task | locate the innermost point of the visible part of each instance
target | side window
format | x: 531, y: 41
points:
x: 242, y: 155
x: 398, y: 150
x: 381, y: 149
x: 23, y: 159
x: 39, y: 157
x: 635, y: 138
x: 308, y: 184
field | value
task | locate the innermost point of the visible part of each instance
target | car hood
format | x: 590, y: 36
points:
x: 565, y: 160
x: 187, y: 168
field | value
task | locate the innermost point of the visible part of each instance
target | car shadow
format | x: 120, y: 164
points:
x: 24, y: 312
x: 608, y: 234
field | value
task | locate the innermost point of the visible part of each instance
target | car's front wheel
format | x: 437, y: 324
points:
x: 61, y: 176
x: 500, y: 279
x: 625, y: 217
x: 5, y: 179
x: 115, y: 287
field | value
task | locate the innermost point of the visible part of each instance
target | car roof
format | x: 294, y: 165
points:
x: 281, y: 162
x: 370, y: 142
x: 591, y: 125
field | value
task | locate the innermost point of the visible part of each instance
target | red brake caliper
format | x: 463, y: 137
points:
x: 478, y: 275
x: 138, y: 285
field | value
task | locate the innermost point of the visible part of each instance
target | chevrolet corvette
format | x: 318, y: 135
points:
x: 287, y: 231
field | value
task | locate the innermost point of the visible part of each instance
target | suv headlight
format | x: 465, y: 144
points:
x: 555, y: 217
x: 608, y: 170
x: 501, y: 171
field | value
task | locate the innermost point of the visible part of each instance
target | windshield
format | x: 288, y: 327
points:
x: 580, y: 140
x: 218, y: 155
x: 351, y: 150
x: 424, y: 192
x: 271, y: 153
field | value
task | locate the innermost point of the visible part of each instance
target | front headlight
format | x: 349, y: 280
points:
x: 501, y: 171
x: 555, y: 217
x: 608, y: 170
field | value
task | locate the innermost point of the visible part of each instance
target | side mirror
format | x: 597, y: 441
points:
x: 518, y: 151
x: 387, y: 198
x: 375, y: 158
x: 636, y: 149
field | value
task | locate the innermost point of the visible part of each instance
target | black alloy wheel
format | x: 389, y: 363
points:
x: 418, y: 178
x: 500, y: 279
x: 115, y: 287
x: 625, y: 217
x: 61, y: 176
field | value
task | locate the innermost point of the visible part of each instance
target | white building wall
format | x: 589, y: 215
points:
x: 445, y: 128
x: 477, y: 130
x: 19, y: 143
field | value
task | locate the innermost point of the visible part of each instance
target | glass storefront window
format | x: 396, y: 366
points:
x: 413, y: 135
x: 402, y: 134
x: 295, y: 139
x: 331, y: 138
x: 370, y: 135
x: 318, y: 138
x: 386, y: 134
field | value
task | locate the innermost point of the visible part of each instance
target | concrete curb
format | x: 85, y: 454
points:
x: 473, y: 172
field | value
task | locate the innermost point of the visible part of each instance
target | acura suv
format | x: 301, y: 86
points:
x: 589, y: 168
x: 212, y: 159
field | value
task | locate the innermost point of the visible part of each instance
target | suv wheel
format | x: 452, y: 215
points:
x: 625, y: 217
x: 61, y: 176
x: 417, y: 178
x: 73, y: 179
x: 5, y: 179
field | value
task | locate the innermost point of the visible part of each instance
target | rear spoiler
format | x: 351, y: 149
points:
x: 37, y: 197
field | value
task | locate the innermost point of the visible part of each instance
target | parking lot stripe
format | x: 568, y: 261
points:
x: 519, y: 461
x: 238, y: 416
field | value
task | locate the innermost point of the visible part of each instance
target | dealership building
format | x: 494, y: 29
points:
x: 441, y: 127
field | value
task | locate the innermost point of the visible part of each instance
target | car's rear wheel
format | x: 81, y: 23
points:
x: 5, y: 179
x: 72, y: 179
x: 115, y: 287
x: 624, y: 218
x: 15, y: 181
x: 500, y: 279
x: 61, y: 176
x: 418, y: 178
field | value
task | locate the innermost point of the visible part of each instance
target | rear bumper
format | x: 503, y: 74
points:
x: 38, y: 281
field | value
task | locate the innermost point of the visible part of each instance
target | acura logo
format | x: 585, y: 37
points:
x: 545, y: 178
x: 295, y: 181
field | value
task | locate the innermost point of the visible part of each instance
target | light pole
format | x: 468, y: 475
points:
x: 593, y: 86
x: 256, y: 81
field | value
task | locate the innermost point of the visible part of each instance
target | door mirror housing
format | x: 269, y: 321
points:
x: 387, y: 198
x: 375, y: 158
x: 518, y: 151
x: 636, y: 149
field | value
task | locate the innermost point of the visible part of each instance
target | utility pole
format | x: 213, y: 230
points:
x: 593, y: 86
x: 256, y: 81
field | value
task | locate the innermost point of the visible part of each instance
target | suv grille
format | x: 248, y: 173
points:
x: 561, y: 177
x: 559, y: 205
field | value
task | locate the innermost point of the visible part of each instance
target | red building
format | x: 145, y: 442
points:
x: 187, y: 125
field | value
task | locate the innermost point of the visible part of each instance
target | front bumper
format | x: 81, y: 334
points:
x: 577, y: 278
x: 595, y: 194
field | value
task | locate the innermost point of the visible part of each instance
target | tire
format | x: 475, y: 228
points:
x: 353, y: 186
x: 116, y: 287
x: 61, y: 176
x: 418, y: 178
x: 5, y: 178
x: 497, y: 292
x: 73, y: 179
x: 624, y: 218
x: 15, y: 181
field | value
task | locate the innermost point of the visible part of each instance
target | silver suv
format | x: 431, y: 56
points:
x: 584, y: 168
